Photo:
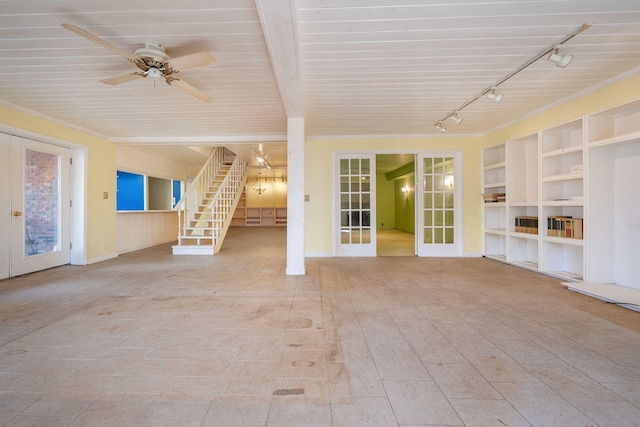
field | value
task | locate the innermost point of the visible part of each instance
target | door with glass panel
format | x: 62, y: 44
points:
x: 40, y: 209
x: 355, y: 216
x: 438, y: 199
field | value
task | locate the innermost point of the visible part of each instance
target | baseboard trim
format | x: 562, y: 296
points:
x: 102, y: 258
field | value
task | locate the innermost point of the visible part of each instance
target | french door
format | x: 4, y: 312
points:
x: 356, y: 200
x: 438, y: 204
x: 39, y: 205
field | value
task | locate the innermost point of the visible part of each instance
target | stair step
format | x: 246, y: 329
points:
x: 193, y: 250
x: 195, y: 240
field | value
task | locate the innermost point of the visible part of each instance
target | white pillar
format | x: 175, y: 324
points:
x: 295, y: 197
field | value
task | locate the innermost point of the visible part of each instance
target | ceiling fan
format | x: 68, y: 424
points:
x: 153, y: 61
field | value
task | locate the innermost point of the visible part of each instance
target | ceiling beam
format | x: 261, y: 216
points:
x: 278, y: 25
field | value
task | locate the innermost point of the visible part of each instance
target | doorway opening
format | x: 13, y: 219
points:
x: 395, y: 205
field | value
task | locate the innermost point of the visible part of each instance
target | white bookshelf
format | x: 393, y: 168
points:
x: 524, y: 183
x: 542, y: 175
x: 495, y: 213
x: 587, y: 168
x: 562, y: 180
x: 614, y: 196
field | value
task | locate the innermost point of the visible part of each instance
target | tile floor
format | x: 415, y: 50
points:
x: 149, y: 339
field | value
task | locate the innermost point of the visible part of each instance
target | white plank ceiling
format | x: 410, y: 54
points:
x: 359, y: 67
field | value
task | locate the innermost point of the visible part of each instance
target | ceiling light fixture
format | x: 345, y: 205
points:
x: 440, y: 127
x: 259, y: 187
x: 456, y: 118
x: 560, y: 61
x: 495, y: 97
x: 262, y: 161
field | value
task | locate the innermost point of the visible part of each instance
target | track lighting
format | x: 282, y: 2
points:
x: 263, y: 162
x: 441, y: 127
x: 561, y: 61
x: 495, y: 97
x: 456, y: 118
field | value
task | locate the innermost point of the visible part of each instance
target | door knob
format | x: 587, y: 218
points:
x: 17, y: 213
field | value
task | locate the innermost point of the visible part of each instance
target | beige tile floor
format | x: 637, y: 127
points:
x: 149, y: 339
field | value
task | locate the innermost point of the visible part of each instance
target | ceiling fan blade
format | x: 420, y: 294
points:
x: 122, y: 79
x: 189, y: 90
x: 190, y: 62
x: 97, y: 40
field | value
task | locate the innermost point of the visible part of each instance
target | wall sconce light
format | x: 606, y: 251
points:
x: 405, y: 190
x: 448, y: 182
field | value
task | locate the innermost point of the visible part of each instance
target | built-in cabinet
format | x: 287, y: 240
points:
x: 613, y: 195
x: 571, y: 202
x: 258, y: 216
x: 495, y: 219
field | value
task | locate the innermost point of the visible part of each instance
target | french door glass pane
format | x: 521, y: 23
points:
x: 355, y: 201
x: 41, y: 205
x: 438, y: 200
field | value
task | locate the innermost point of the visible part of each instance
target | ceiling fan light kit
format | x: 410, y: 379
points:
x: 153, y: 61
x: 561, y: 61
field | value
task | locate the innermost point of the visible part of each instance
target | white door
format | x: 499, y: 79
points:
x: 355, y: 232
x: 40, y: 202
x: 438, y: 205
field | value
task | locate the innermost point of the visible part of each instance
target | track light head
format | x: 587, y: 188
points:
x: 561, y: 61
x: 495, y: 97
x: 441, y: 127
x: 456, y: 118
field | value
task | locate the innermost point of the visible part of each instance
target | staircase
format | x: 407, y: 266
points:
x: 206, y: 208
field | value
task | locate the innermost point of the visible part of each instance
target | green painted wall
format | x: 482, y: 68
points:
x: 405, y: 204
x: 385, y: 203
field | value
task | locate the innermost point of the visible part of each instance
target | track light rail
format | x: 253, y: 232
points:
x: 491, y: 89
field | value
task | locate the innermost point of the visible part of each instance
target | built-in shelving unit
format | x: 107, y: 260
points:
x: 261, y: 216
x: 613, y: 146
x: 562, y: 169
x: 495, y: 213
x: 281, y: 216
x: 586, y: 169
x: 523, y: 183
x: 240, y: 215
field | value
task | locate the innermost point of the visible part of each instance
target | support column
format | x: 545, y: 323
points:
x: 295, y: 197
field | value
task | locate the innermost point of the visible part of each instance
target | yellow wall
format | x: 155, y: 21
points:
x: 275, y: 196
x: 318, y: 183
x: 101, y: 159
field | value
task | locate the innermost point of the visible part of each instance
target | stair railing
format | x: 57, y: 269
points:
x: 193, y: 196
x: 224, y: 203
